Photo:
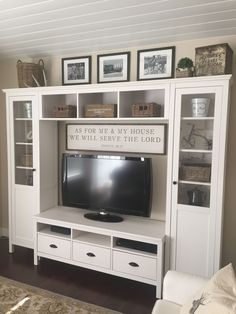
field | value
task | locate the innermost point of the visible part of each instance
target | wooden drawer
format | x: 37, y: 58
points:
x: 136, y: 265
x: 92, y: 255
x: 54, y: 246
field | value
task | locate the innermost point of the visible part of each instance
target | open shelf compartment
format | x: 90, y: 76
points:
x: 91, y: 238
x: 59, y: 106
x: 129, y: 98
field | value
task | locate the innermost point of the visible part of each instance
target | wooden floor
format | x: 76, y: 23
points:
x: 126, y: 296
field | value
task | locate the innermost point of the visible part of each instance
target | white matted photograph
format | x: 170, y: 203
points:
x: 76, y: 70
x: 113, y: 67
x: 156, y: 63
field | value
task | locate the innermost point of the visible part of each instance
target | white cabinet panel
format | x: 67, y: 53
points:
x: 192, y: 242
x: 24, y: 209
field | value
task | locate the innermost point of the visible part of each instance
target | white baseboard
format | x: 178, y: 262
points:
x: 4, y: 232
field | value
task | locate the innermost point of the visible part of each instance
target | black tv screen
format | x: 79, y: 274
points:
x: 107, y: 183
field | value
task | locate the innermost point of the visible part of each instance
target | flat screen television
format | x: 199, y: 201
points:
x: 107, y: 184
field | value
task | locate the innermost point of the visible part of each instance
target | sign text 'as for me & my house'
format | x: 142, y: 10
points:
x: 119, y: 138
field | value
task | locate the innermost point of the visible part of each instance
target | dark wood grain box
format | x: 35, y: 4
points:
x: 146, y: 110
x: 100, y: 111
x: 213, y: 60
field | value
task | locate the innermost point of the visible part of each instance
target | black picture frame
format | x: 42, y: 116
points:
x: 156, y: 63
x: 76, y: 70
x: 113, y: 67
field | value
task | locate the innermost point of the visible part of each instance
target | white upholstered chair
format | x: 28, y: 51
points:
x: 177, y: 289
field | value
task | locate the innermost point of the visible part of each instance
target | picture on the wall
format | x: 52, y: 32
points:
x: 113, y: 67
x: 156, y: 63
x: 76, y: 70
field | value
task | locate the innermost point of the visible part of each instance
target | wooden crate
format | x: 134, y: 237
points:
x: 213, y: 60
x: 146, y: 110
x: 100, y: 111
x: 200, y: 172
x: 67, y: 111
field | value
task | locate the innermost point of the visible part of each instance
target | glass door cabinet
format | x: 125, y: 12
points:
x: 195, y: 175
x: 23, y: 154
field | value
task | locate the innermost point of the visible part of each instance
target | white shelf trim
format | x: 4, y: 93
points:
x: 205, y: 151
x: 195, y: 182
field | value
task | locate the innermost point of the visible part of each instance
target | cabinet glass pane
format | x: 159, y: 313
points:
x: 196, y: 135
x: 195, y: 166
x: 24, y: 176
x: 23, y: 142
x: 195, y: 149
x: 198, y: 106
x: 194, y: 195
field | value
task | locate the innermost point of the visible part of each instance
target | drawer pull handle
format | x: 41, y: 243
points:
x: 53, y: 246
x: 133, y: 264
x: 91, y: 254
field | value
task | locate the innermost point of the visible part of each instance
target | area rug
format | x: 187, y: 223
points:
x: 19, y: 298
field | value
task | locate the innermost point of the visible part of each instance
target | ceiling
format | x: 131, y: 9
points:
x: 59, y: 27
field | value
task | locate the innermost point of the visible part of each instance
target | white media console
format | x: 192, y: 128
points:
x: 193, y: 164
x: 94, y: 244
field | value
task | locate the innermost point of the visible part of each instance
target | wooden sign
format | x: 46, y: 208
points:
x: 118, y: 138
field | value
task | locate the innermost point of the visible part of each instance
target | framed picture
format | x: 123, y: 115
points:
x: 156, y: 63
x: 76, y: 70
x: 113, y: 67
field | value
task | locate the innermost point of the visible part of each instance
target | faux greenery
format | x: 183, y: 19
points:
x: 185, y: 63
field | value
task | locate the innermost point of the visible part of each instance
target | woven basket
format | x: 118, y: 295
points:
x: 67, y: 111
x: 31, y: 74
x: 195, y: 172
x: 146, y: 110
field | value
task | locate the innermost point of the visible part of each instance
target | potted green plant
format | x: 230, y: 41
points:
x: 185, y: 67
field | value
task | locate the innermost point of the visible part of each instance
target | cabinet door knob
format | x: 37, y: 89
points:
x: 90, y: 254
x: 53, y: 246
x: 133, y: 264
x: 33, y: 169
x: 175, y: 182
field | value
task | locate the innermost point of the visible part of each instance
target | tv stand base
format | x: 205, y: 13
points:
x: 105, y: 217
x: 94, y: 244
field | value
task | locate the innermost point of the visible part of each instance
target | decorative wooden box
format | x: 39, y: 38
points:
x: 100, y: 111
x: 68, y: 111
x: 213, y: 60
x: 200, y: 172
x: 146, y: 110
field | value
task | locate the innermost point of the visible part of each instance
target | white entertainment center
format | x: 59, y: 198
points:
x: 93, y: 244
x: 185, y: 227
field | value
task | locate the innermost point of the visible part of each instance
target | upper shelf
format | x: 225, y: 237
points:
x: 124, y: 95
x: 151, y: 104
